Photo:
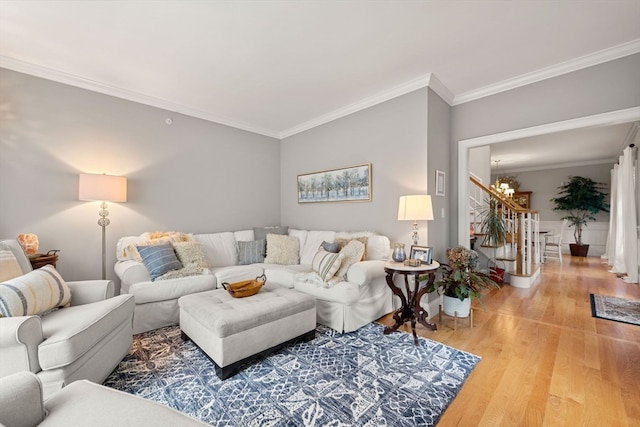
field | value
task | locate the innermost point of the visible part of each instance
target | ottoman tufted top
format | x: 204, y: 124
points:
x: 224, y: 315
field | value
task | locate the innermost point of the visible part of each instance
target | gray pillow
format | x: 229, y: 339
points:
x: 330, y: 247
x: 261, y: 232
x: 159, y: 259
x: 251, y: 252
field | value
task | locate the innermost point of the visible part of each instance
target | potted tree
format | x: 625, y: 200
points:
x: 582, y: 198
x: 460, y: 281
x: 493, y: 225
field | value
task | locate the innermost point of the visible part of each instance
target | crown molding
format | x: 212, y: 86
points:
x: 595, y: 58
x: 415, y: 84
x: 105, y: 89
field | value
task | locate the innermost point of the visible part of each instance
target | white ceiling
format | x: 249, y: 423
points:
x: 280, y: 67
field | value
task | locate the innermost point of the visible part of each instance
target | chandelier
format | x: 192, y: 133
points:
x: 502, y: 187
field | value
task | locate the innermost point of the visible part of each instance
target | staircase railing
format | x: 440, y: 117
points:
x: 522, y: 226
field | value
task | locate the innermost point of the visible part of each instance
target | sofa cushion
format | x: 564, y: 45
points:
x: 282, y: 250
x: 165, y: 290
x: 9, y: 267
x: 237, y: 273
x: 326, y: 264
x: 159, y: 259
x: 71, y: 332
x: 261, y: 232
x: 313, y: 242
x: 33, y: 293
x: 219, y: 248
x: 284, y: 275
x: 352, y: 252
x: 302, y: 236
x: 251, y: 252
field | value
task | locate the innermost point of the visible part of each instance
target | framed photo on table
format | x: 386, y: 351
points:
x: 422, y: 253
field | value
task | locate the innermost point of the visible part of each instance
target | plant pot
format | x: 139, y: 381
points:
x: 453, y: 305
x: 578, y: 250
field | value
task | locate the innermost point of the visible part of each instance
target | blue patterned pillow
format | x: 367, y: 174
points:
x: 251, y: 252
x: 159, y: 259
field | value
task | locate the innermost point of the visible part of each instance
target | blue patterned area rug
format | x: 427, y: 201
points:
x: 363, y: 378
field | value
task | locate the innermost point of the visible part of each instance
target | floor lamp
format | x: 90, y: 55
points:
x: 104, y: 188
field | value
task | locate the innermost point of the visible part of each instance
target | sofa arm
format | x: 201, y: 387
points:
x: 364, y: 272
x: 88, y: 291
x: 19, y: 340
x: 21, y: 400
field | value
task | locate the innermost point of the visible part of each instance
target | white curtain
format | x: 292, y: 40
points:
x: 622, y: 243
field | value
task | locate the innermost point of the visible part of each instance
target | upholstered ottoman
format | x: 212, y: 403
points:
x: 235, y: 331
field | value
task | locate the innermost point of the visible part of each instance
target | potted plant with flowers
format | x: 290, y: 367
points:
x: 460, y: 281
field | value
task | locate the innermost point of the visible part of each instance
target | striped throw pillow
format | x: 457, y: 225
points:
x: 34, y: 293
x: 9, y: 267
x: 159, y: 259
x: 326, y: 264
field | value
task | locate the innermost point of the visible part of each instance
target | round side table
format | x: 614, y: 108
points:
x: 411, y: 310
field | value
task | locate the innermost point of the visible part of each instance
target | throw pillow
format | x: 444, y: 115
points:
x: 352, y: 253
x: 9, y: 267
x: 261, y: 232
x: 326, y: 264
x: 251, y: 252
x: 33, y: 293
x: 159, y: 259
x: 190, y: 254
x: 282, y: 249
x: 330, y: 247
x: 343, y: 242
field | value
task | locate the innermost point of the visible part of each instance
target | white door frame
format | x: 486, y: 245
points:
x: 605, y: 119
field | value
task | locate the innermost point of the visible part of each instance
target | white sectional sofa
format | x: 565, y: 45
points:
x: 344, y: 303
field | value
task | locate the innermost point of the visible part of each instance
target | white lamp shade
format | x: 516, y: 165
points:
x: 106, y: 188
x: 415, y: 208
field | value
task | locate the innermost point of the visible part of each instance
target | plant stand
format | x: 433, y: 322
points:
x: 455, y: 317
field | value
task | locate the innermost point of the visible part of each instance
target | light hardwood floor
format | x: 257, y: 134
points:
x: 545, y: 360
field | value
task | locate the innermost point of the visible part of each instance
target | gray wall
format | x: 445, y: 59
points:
x: 544, y: 185
x: 602, y: 88
x: 438, y: 136
x: 192, y: 176
x: 392, y: 136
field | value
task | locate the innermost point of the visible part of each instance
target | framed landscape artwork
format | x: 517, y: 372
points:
x: 349, y: 184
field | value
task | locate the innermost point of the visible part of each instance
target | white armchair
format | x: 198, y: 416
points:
x: 86, y: 340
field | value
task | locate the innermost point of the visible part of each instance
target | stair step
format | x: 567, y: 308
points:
x: 506, y: 259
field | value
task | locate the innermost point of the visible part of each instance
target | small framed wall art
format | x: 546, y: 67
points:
x: 422, y: 253
x: 349, y: 184
x: 440, y: 183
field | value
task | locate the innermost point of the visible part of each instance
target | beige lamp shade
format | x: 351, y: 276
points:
x: 106, y: 188
x: 415, y: 208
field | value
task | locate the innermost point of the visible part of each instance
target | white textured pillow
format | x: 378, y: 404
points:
x: 326, y: 264
x: 352, y: 253
x: 190, y: 254
x: 33, y: 293
x: 282, y: 249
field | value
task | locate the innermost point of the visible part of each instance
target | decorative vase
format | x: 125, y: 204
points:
x: 29, y: 243
x: 452, y: 306
x: 398, y: 252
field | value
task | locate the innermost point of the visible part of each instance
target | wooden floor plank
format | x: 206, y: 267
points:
x: 545, y: 360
